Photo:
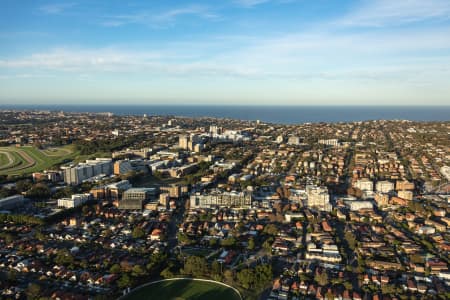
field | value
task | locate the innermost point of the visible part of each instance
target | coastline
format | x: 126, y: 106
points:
x: 270, y: 114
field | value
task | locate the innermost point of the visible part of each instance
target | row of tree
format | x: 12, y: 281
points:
x: 252, y: 279
x: 106, y: 145
x: 21, y: 219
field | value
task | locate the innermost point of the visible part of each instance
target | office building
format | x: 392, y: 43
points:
x: 115, y: 190
x: 175, y: 191
x: 122, y: 167
x: 136, y: 198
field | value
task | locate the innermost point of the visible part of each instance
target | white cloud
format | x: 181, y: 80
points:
x: 321, y: 52
x: 56, y: 8
x: 323, y: 55
x: 118, y: 61
x: 159, y: 19
x: 192, y: 10
x: 62, y: 59
x: 380, y: 13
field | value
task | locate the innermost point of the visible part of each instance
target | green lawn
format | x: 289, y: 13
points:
x: 29, y: 159
x: 4, y: 160
x: 184, y: 289
x: 60, y: 151
x: 17, y: 160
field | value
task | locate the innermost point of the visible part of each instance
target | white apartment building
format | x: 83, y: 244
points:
x: 75, y: 201
x: 384, y: 186
x: 318, y: 197
x: 364, y: 184
x: 329, y: 142
x: 358, y: 205
x: 77, y: 174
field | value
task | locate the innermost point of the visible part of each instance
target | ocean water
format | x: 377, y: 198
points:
x: 271, y: 114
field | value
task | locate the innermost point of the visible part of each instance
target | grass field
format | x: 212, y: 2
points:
x: 60, y: 151
x: 184, y: 289
x: 25, y: 160
x: 5, y: 159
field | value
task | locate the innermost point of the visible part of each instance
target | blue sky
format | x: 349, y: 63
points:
x: 316, y: 52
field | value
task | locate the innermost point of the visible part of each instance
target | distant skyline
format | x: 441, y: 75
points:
x: 244, y: 52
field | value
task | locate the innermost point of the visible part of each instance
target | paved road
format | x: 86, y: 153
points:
x: 176, y: 219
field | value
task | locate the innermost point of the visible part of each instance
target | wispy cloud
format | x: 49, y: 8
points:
x: 198, y: 11
x: 380, y: 13
x: 250, y: 3
x: 63, y: 59
x: 320, y: 55
x: 56, y: 8
x: 119, y: 61
x: 323, y: 54
x: 253, y: 3
x: 159, y: 19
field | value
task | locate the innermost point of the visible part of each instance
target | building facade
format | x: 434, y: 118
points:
x: 83, y: 171
x: 318, y: 197
x: 221, y: 199
x: 136, y: 198
x: 385, y: 186
x: 364, y: 184
x: 75, y: 201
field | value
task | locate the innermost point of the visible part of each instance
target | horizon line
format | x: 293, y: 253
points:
x: 221, y: 105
